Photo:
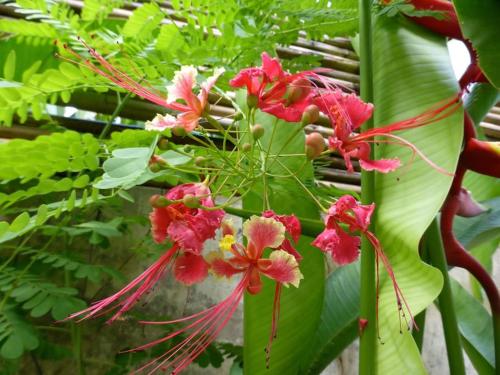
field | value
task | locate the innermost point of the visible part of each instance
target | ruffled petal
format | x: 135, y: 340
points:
x: 161, y: 122
x: 343, y: 247
x: 190, y: 269
x: 183, y: 83
x: 160, y: 221
x: 263, y: 232
x: 283, y: 268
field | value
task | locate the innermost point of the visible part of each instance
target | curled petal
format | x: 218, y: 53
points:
x: 343, y: 247
x: 183, y: 83
x: 283, y: 268
x: 190, y: 269
x: 263, y: 232
x: 161, y: 122
x: 159, y: 222
x: 272, y: 67
x: 291, y: 223
x: 381, y: 165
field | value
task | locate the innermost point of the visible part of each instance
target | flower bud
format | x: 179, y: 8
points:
x: 315, y: 145
x: 200, y: 161
x: 191, y: 201
x: 257, y: 131
x: 238, y: 116
x: 310, y: 115
x: 158, y: 201
x: 179, y: 131
x: 163, y: 144
x: 252, y: 101
x: 297, y: 90
x: 246, y: 147
x: 155, y: 167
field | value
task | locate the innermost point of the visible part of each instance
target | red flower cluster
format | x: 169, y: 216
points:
x: 289, y: 97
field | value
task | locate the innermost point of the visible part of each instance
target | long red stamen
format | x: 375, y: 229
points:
x: 144, y: 282
x: 438, y: 112
x: 401, y: 300
x: 120, y: 78
x: 204, y: 329
x: 275, y: 320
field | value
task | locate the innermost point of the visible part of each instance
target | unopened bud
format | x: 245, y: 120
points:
x: 200, y: 161
x: 310, y: 115
x: 238, y: 116
x: 179, y: 131
x: 163, y: 144
x: 155, y: 167
x: 246, y: 147
x: 315, y: 145
x: 252, y: 101
x: 257, y: 131
x: 191, y: 201
x: 297, y: 90
x: 158, y: 201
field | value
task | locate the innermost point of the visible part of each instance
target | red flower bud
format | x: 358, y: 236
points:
x: 482, y: 157
x: 310, y: 115
x: 315, y: 145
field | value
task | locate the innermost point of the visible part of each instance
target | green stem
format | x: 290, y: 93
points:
x: 309, y: 227
x: 448, y: 316
x: 368, y: 292
x: 118, y: 109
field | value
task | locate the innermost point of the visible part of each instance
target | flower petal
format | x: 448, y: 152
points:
x: 264, y: 232
x: 161, y: 122
x: 381, y: 165
x: 343, y: 247
x: 223, y: 268
x: 160, y: 220
x: 271, y: 67
x: 183, y: 83
x: 284, y: 268
x: 190, y: 269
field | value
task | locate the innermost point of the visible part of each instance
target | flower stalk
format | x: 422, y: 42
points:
x: 368, y: 335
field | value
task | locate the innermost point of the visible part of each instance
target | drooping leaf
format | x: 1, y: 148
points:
x: 412, y: 73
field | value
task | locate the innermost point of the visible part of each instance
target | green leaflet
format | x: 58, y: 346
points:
x: 300, y: 308
x: 412, y: 73
x: 480, y: 23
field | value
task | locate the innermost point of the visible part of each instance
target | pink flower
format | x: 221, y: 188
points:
x: 277, y: 92
x: 347, y: 112
x: 343, y: 245
x: 202, y: 328
x: 188, y: 228
x: 192, y: 106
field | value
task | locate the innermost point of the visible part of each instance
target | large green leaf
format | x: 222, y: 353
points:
x: 474, y: 322
x: 300, y: 308
x: 339, y: 319
x: 412, y: 73
x: 480, y: 23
